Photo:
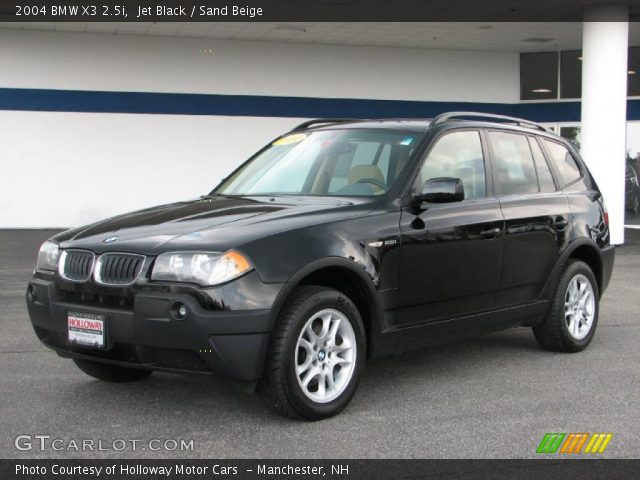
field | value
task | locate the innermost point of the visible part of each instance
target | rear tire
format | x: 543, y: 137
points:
x: 572, y: 318
x: 110, y: 373
x: 316, y: 355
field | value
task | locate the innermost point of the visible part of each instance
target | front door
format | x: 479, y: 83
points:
x: 451, y: 252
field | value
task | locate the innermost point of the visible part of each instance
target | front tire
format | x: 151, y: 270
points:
x: 110, y: 373
x: 571, y: 321
x: 316, y: 356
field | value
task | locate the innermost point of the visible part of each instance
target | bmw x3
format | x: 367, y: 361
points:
x: 339, y: 241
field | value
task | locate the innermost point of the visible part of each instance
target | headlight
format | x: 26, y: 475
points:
x: 203, y: 268
x: 48, y: 256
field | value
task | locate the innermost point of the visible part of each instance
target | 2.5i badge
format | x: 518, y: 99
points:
x: 85, y: 329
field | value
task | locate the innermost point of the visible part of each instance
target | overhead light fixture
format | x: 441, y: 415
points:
x: 580, y: 58
x: 541, y: 90
x: 631, y: 72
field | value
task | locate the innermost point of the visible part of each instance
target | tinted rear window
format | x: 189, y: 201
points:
x: 564, y: 162
x: 545, y: 179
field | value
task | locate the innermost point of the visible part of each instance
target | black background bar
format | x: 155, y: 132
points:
x: 297, y: 10
x: 556, y: 468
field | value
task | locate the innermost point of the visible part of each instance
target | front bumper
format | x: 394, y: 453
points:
x: 145, y: 334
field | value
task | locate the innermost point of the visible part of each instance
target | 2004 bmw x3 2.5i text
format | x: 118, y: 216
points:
x: 340, y: 241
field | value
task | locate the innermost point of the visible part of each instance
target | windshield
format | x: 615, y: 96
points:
x: 329, y: 162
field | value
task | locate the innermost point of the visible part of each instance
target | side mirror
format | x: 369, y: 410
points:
x: 441, y: 190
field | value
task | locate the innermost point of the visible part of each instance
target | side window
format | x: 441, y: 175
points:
x: 564, y: 162
x: 457, y: 155
x: 545, y: 179
x: 514, y: 171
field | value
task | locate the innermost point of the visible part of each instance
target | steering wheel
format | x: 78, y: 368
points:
x: 374, y: 181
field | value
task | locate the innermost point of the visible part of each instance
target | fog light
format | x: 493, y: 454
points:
x: 179, y: 311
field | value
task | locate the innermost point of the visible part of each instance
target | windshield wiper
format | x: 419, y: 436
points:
x: 215, y: 195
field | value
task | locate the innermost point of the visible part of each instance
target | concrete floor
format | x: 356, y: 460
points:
x: 492, y: 397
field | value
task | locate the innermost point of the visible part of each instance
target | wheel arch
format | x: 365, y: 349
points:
x: 345, y: 276
x: 585, y: 250
x: 589, y: 253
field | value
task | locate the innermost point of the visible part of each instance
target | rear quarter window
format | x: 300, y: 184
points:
x: 565, y: 164
x: 545, y: 179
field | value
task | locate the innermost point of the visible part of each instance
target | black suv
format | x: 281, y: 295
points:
x: 339, y: 241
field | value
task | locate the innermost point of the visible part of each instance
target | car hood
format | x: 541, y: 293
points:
x: 210, y: 223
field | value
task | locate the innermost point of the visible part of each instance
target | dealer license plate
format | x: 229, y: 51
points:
x: 85, y: 329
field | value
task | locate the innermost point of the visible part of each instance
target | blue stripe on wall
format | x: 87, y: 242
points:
x: 244, y: 105
x: 272, y: 106
x: 548, y: 111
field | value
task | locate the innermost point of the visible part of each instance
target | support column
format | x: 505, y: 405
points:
x: 605, y: 38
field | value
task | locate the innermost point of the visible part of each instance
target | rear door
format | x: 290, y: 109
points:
x: 451, y: 252
x: 587, y: 216
x: 536, y: 215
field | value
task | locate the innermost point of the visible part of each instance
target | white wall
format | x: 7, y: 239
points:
x: 59, y: 60
x: 67, y: 169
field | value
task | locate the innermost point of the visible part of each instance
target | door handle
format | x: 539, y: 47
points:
x: 491, y: 233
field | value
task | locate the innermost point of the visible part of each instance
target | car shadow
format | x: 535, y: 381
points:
x: 213, y: 400
x: 443, y: 361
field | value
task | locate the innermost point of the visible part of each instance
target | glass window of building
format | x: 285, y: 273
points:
x: 539, y: 76
x: 571, y: 133
x: 571, y: 74
x: 632, y: 177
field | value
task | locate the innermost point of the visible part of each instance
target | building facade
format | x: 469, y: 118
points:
x: 95, y: 124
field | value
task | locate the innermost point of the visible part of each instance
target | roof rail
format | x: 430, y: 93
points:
x: 518, y: 121
x: 320, y: 121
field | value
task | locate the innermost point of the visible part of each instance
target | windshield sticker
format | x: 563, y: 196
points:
x: 289, y: 139
x: 406, y: 141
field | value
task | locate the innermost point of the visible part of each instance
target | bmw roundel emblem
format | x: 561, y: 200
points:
x: 110, y: 240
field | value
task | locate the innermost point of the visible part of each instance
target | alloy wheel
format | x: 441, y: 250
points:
x: 579, y: 306
x: 325, y: 355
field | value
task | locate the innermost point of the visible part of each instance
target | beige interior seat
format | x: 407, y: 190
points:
x: 360, y: 172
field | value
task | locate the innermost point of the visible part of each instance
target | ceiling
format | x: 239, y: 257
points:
x: 488, y: 36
